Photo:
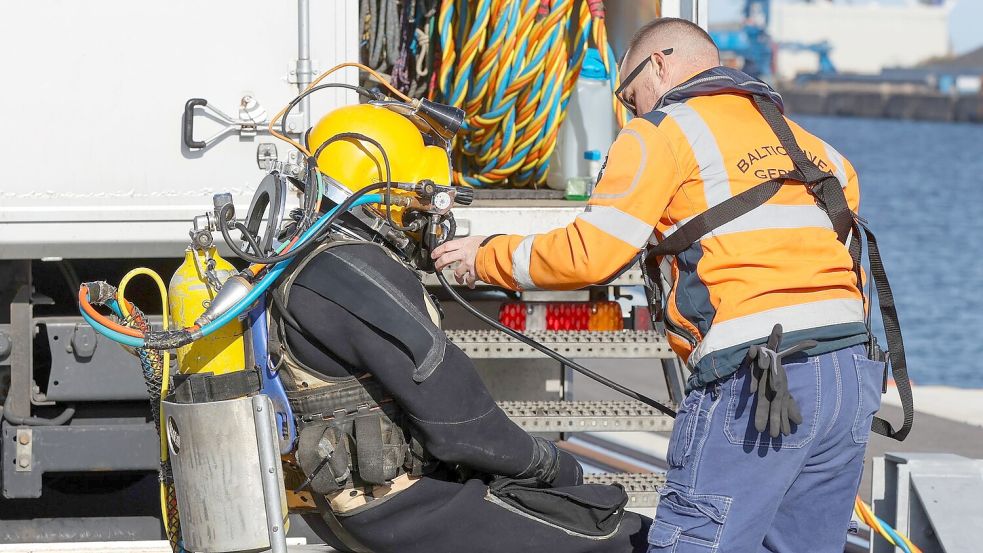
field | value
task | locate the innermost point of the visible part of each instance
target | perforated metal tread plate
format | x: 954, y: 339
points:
x: 642, y: 488
x: 586, y: 416
x: 634, y: 344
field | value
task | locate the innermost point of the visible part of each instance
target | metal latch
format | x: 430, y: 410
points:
x: 266, y: 155
x: 252, y: 120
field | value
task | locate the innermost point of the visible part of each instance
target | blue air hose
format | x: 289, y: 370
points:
x: 260, y: 288
x: 257, y: 290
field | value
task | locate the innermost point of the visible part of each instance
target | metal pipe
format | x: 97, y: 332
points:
x: 269, y: 462
x: 304, y: 71
x: 62, y: 418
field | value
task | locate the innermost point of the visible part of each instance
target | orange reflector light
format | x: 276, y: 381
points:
x: 598, y: 315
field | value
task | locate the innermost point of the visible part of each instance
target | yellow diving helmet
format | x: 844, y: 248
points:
x: 355, y: 163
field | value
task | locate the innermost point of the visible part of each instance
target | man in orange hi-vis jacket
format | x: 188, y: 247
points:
x: 759, y: 459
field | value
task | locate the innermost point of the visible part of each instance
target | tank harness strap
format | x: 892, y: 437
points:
x: 201, y: 388
x: 279, y: 296
x: 379, y: 456
x: 829, y: 195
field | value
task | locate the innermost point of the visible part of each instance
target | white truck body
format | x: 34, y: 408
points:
x: 93, y: 95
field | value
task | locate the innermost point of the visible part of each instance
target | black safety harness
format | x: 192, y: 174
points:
x: 829, y: 196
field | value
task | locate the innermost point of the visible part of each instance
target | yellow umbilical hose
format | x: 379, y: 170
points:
x: 168, y: 499
x: 892, y: 536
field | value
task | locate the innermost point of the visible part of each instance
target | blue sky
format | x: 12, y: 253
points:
x: 964, y: 21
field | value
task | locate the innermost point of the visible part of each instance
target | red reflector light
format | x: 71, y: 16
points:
x: 525, y: 316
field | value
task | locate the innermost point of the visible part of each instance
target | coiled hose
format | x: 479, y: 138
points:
x: 512, y: 65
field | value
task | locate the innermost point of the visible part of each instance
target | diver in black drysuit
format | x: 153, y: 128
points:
x: 341, y: 318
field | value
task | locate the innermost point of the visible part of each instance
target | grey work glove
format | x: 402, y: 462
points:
x: 776, y: 409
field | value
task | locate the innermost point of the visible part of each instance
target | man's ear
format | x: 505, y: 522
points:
x: 660, y: 67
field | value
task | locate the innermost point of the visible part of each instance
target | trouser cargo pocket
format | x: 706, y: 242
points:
x: 688, y: 523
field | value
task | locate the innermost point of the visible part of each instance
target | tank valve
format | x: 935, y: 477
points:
x: 233, y: 291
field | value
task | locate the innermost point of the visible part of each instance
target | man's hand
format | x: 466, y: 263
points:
x: 463, y: 252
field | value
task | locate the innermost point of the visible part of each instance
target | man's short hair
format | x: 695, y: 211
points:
x: 674, y: 26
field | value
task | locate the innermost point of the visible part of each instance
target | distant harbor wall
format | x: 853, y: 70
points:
x: 924, y: 106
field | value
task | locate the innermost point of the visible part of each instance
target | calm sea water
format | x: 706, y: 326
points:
x: 922, y: 192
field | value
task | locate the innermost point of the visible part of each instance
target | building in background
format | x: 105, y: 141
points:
x: 864, y: 37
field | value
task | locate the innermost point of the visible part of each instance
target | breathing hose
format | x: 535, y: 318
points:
x: 108, y: 328
x: 665, y: 409
x: 564, y: 360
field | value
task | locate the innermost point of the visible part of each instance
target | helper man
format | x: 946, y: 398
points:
x: 748, y: 471
x: 401, y: 447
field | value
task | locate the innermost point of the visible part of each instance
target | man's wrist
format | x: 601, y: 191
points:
x: 488, y: 239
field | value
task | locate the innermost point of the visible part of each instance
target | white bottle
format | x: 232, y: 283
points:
x: 590, y: 124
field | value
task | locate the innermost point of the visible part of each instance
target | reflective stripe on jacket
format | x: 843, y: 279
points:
x: 780, y: 263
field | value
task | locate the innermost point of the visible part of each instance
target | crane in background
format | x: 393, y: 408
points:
x: 753, y: 50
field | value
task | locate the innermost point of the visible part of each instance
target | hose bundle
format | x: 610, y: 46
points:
x: 154, y: 365
x: 510, y: 64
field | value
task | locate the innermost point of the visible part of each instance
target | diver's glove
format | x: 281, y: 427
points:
x: 776, y: 409
x: 552, y: 466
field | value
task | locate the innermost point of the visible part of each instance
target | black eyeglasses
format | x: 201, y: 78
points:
x: 630, y: 106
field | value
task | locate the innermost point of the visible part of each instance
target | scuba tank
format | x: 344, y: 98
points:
x: 190, y: 292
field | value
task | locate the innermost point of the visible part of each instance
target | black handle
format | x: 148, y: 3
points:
x: 464, y: 196
x: 188, y: 123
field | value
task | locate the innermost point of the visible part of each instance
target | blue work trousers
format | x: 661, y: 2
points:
x: 732, y: 489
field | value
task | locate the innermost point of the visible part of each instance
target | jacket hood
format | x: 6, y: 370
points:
x: 720, y: 80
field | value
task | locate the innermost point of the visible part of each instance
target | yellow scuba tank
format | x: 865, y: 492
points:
x: 189, y: 294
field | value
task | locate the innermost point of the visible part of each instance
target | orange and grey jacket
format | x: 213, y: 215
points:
x: 779, y: 263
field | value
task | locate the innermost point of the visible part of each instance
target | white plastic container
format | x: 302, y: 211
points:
x: 590, y: 124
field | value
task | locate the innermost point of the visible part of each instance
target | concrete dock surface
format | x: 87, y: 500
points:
x: 958, y: 404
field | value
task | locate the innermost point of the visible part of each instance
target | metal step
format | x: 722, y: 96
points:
x: 586, y: 416
x: 577, y: 344
x: 641, y: 488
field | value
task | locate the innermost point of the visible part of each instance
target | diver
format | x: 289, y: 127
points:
x: 401, y: 446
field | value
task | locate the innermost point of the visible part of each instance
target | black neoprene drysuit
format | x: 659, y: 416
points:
x: 363, y: 312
